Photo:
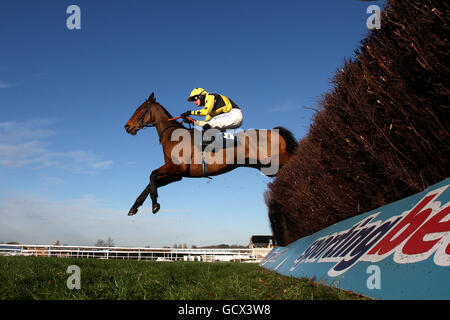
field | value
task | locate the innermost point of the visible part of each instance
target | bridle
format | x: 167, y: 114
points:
x: 148, y: 109
x: 154, y: 123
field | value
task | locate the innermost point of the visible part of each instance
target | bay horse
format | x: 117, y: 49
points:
x: 152, y: 114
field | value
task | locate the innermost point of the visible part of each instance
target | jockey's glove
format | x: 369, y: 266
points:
x: 186, y: 114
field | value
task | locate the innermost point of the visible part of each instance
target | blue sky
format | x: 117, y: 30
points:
x: 68, y: 169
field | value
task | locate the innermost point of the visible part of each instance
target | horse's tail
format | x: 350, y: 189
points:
x: 291, y: 142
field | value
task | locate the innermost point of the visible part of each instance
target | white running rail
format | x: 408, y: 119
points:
x: 156, y: 254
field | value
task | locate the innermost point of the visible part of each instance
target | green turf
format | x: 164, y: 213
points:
x: 45, y: 278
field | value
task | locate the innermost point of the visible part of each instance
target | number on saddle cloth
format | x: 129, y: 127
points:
x: 228, y: 139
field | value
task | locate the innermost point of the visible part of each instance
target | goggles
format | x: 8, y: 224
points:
x: 193, y: 98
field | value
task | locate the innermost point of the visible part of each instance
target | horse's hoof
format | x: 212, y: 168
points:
x: 132, y: 211
x: 155, y: 208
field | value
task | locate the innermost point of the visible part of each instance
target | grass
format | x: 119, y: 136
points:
x: 39, y: 278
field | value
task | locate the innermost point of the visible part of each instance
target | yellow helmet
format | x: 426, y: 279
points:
x: 195, y: 93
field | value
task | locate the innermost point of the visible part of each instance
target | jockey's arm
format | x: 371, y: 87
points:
x: 201, y: 123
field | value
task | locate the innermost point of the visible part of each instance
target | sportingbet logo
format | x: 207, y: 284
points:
x: 410, y: 237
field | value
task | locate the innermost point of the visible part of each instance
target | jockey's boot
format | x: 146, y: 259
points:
x: 206, y: 140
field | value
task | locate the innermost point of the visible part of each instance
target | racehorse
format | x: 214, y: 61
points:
x: 152, y: 114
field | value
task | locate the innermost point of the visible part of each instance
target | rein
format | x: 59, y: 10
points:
x: 189, y: 120
x: 152, y: 124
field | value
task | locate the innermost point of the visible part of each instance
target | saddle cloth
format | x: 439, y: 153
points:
x: 221, y: 140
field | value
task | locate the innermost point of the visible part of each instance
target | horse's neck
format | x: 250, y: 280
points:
x: 161, y: 112
x: 162, y: 125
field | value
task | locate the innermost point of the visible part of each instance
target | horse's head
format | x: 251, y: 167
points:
x: 142, y: 117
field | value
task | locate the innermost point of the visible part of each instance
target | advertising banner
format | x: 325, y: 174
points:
x: 399, y: 251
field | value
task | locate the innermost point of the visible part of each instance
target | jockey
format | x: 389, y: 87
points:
x: 220, y: 112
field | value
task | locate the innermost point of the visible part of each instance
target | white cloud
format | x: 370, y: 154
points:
x: 26, y: 143
x: 14, y: 131
x: 50, y: 180
x: 286, y: 107
x: 32, y: 219
x: 4, y: 85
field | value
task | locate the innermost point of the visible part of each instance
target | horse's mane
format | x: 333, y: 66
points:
x: 164, y: 109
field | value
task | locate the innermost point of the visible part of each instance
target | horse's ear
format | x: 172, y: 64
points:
x: 151, y: 97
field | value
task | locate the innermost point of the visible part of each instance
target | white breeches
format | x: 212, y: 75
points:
x: 229, y: 120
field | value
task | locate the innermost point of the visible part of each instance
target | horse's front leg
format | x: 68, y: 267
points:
x: 139, y: 201
x: 159, y: 177
x: 154, y: 191
x: 151, y: 190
